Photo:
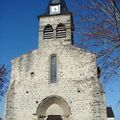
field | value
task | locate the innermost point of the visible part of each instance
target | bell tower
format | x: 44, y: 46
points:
x: 56, y: 24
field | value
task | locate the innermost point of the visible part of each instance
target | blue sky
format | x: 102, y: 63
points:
x: 19, y: 35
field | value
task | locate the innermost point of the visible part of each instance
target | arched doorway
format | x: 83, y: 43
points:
x: 53, y: 108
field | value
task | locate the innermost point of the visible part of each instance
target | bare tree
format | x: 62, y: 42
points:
x: 3, y: 80
x: 99, y: 21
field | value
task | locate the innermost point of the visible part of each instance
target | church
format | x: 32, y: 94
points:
x: 57, y: 81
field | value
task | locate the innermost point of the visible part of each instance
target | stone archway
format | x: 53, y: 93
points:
x: 53, y: 106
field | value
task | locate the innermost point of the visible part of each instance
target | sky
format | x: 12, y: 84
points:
x: 19, y: 35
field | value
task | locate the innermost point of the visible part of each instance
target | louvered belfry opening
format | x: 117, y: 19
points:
x: 61, y: 31
x: 48, y: 32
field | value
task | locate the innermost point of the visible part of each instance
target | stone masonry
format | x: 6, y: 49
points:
x: 77, y: 94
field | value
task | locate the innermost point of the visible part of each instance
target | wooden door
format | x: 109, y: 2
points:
x: 54, y: 117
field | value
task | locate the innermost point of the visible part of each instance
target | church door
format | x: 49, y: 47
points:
x: 54, y: 117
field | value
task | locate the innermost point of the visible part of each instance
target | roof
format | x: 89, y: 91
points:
x: 55, y: 1
x: 64, y: 8
x: 110, y: 113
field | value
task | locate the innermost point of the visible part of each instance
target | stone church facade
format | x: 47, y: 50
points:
x: 57, y: 81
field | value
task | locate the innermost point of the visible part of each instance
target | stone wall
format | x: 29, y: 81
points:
x: 77, y: 83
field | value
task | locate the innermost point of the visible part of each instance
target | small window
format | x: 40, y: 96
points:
x: 61, y: 31
x: 48, y: 32
x: 32, y: 74
x: 53, y: 70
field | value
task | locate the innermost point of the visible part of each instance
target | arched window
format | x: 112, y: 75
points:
x: 61, y: 31
x: 53, y: 70
x: 48, y: 32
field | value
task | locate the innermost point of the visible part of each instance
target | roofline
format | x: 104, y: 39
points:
x: 69, y: 13
x: 54, y: 4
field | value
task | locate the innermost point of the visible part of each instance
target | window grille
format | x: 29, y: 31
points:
x: 61, y: 31
x: 48, y: 32
x: 53, y: 72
